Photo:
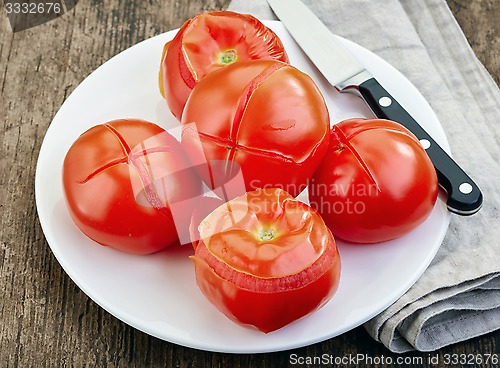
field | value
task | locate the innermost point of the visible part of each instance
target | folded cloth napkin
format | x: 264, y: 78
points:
x: 458, y: 296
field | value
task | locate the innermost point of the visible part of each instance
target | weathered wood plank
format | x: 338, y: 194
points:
x: 480, y: 23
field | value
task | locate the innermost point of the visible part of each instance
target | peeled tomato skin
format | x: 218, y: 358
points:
x: 266, y: 311
x: 259, y: 278
x: 266, y: 116
x: 196, y: 48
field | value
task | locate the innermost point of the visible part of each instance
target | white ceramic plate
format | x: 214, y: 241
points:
x: 157, y: 294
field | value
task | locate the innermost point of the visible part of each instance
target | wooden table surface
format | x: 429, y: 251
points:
x: 45, y: 320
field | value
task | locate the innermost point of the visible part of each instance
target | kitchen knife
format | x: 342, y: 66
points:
x: 344, y: 72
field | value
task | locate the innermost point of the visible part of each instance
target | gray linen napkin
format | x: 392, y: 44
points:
x: 458, y: 296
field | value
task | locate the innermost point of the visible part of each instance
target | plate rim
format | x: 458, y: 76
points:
x: 131, y: 320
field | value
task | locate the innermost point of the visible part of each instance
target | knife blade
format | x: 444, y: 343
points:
x: 344, y: 72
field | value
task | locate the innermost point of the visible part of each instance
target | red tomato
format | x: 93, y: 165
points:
x: 211, y: 41
x: 264, y: 117
x: 119, y: 179
x: 376, y: 182
x: 266, y: 259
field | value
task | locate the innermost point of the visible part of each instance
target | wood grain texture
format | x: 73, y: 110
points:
x: 480, y: 22
x: 45, y: 320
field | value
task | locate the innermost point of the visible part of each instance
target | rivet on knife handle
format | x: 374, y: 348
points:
x: 464, y: 196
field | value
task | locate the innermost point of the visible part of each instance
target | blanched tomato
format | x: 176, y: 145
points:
x: 211, y: 41
x: 376, y: 182
x: 265, y: 118
x: 120, y: 180
x: 266, y: 259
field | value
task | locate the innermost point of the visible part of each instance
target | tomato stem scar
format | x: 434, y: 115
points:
x: 227, y: 57
x: 267, y: 234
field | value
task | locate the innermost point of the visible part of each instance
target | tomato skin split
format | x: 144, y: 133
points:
x: 376, y: 182
x: 266, y: 311
x: 121, y: 180
x: 265, y: 117
x: 268, y: 303
x: 211, y: 41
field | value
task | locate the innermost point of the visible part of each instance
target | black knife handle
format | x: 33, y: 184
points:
x: 464, y: 196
